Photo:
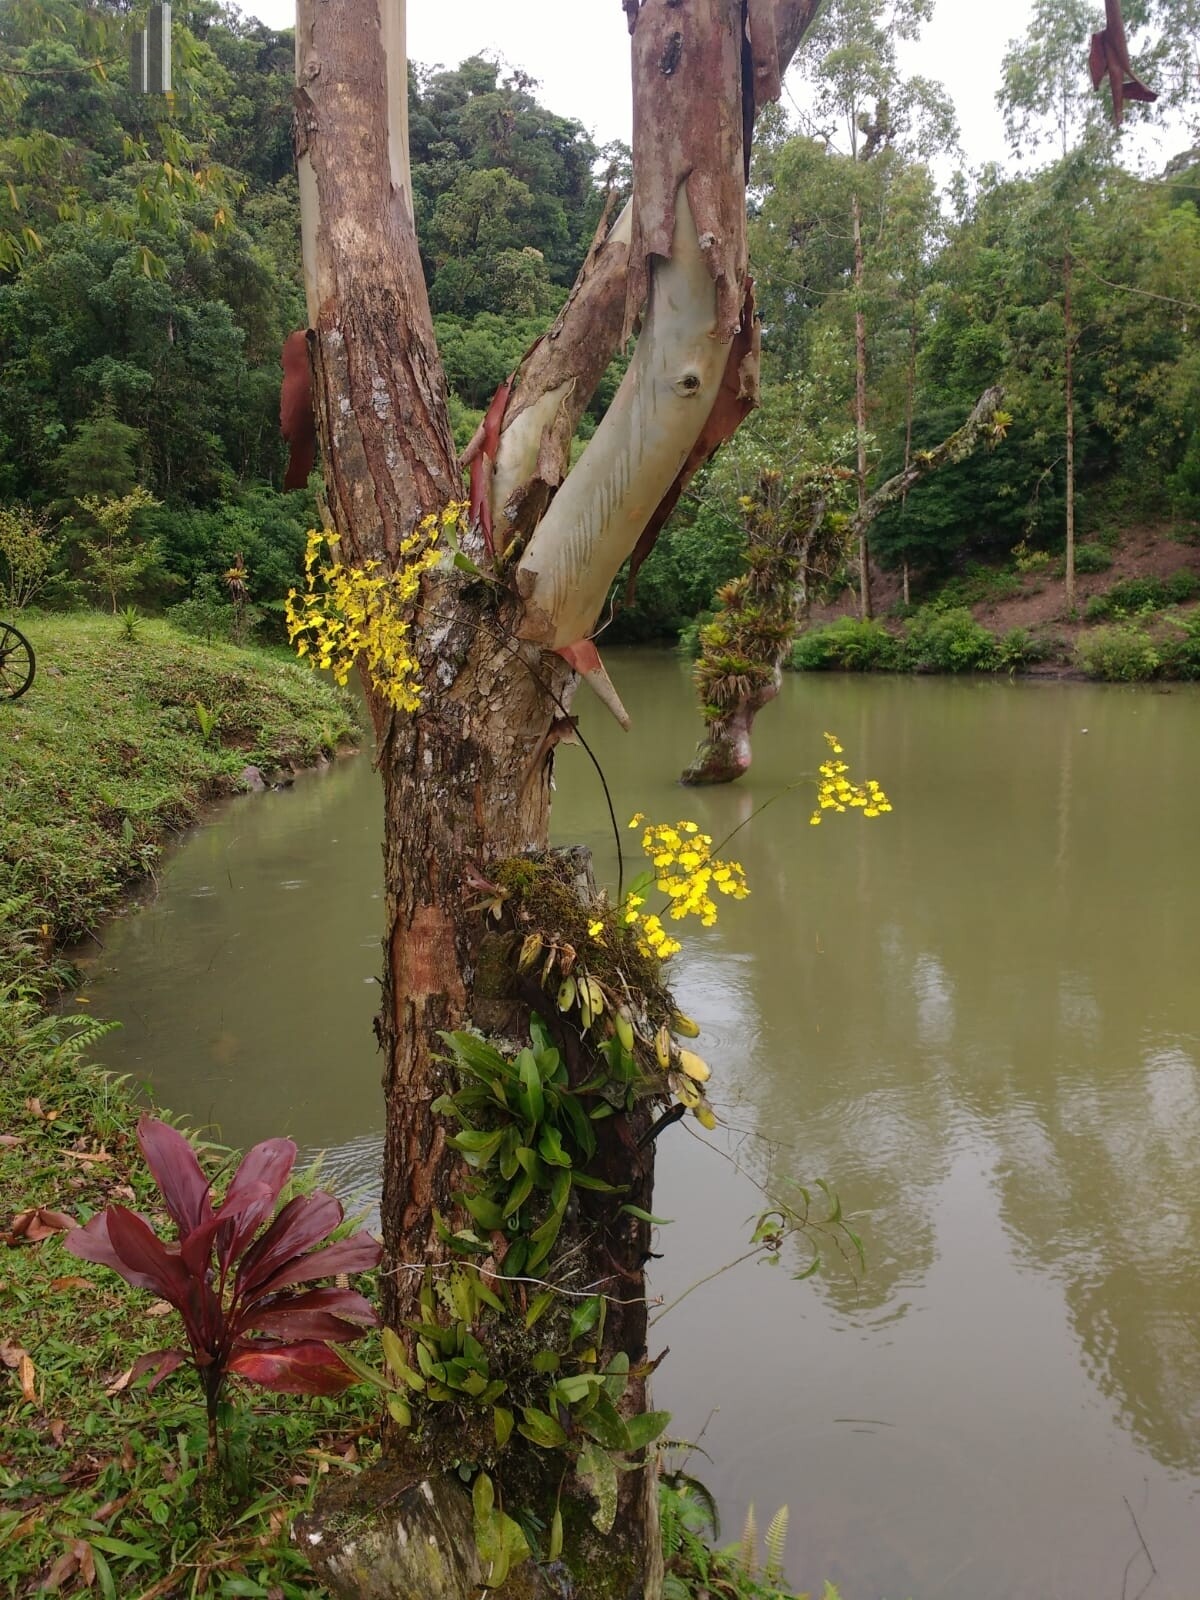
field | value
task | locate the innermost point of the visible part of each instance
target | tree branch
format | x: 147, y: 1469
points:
x: 959, y: 445
x: 556, y: 380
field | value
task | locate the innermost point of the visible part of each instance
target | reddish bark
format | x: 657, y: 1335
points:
x: 297, y: 423
x: 1109, y: 58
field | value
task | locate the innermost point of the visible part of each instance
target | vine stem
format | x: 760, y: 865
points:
x: 700, y: 1282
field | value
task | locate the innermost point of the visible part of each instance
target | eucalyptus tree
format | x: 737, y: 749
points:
x: 500, y: 634
x: 863, y: 106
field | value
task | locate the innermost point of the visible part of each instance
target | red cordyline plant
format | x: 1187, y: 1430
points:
x: 234, y: 1274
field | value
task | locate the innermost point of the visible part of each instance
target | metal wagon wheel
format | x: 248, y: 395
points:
x: 16, y: 662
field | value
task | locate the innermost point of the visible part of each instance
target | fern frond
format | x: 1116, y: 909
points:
x: 748, y: 1553
x: 776, y: 1542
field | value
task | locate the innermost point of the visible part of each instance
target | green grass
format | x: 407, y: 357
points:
x: 105, y: 757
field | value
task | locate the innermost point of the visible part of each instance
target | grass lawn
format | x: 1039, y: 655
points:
x: 105, y: 757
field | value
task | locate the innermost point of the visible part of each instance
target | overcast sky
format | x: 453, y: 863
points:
x: 579, y: 51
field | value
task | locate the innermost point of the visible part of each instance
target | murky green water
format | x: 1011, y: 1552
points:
x: 978, y: 1017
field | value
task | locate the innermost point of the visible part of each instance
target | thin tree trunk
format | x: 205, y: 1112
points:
x: 1069, y: 364
x: 910, y: 391
x: 860, y: 410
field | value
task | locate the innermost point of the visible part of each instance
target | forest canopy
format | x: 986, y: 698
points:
x: 149, y: 273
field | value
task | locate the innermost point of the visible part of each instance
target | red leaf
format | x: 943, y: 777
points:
x: 320, y: 1314
x: 303, y: 1222
x: 358, y: 1253
x: 196, y: 1247
x: 140, y: 1256
x: 483, y: 462
x: 177, y: 1172
x: 162, y: 1363
x: 266, y: 1168
x: 293, y: 1369
x: 92, y: 1242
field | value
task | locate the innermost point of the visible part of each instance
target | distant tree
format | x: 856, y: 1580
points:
x: 863, y: 105
x: 116, y: 560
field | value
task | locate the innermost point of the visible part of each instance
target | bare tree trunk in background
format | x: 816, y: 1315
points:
x: 910, y: 391
x: 466, y: 779
x: 860, y: 410
x: 1069, y: 368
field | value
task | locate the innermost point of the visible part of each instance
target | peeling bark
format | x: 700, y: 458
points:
x: 688, y: 138
x: 667, y: 394
x: 558, y: 377
x: 736, y: 399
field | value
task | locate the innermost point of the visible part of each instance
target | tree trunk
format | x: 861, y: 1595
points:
x: 1069, y: 366
x: 860, y: 411
x: 910, y: 392
x: 756, y: 626
x: 466, y: 778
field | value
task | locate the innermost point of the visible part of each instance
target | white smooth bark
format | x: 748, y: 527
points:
x: 521, y: 440
x: 663, y: 402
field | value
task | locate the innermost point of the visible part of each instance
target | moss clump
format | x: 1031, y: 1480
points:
x: 551, y: 894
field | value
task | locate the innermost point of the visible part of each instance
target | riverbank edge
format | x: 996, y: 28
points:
x: 120, y: 746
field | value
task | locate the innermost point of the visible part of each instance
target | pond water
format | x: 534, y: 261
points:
x: 977, y: 1017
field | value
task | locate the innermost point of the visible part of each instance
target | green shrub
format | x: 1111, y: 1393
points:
x: 689, y: 636
x: 1143, y: 594
x: 1092, y: 558
x: 949, y: 641
x: 1180, y: 655
x: 975, y: 587
x: 1120, y: 654
x: 847, y: 645
x: 1181, y: 587
x: 1018, y: 648
x: 208, y: 615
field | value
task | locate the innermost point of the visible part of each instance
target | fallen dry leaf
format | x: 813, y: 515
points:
x: 38, y: 1223
x: 119, y: 1385
x: 58, y: 1285
x: 28, y: 1377
x: 57, y: 1430
x: 84, y: 1155
x: 163, y: 1585
x: 10, y: 1354
x: 110, y: 1508
x: 9, y: 1140
x: 160, y: 1308
x: 76, y: 1559
x: 127, y: 1461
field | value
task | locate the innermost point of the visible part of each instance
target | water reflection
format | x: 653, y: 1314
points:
x: 976, y: 1016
